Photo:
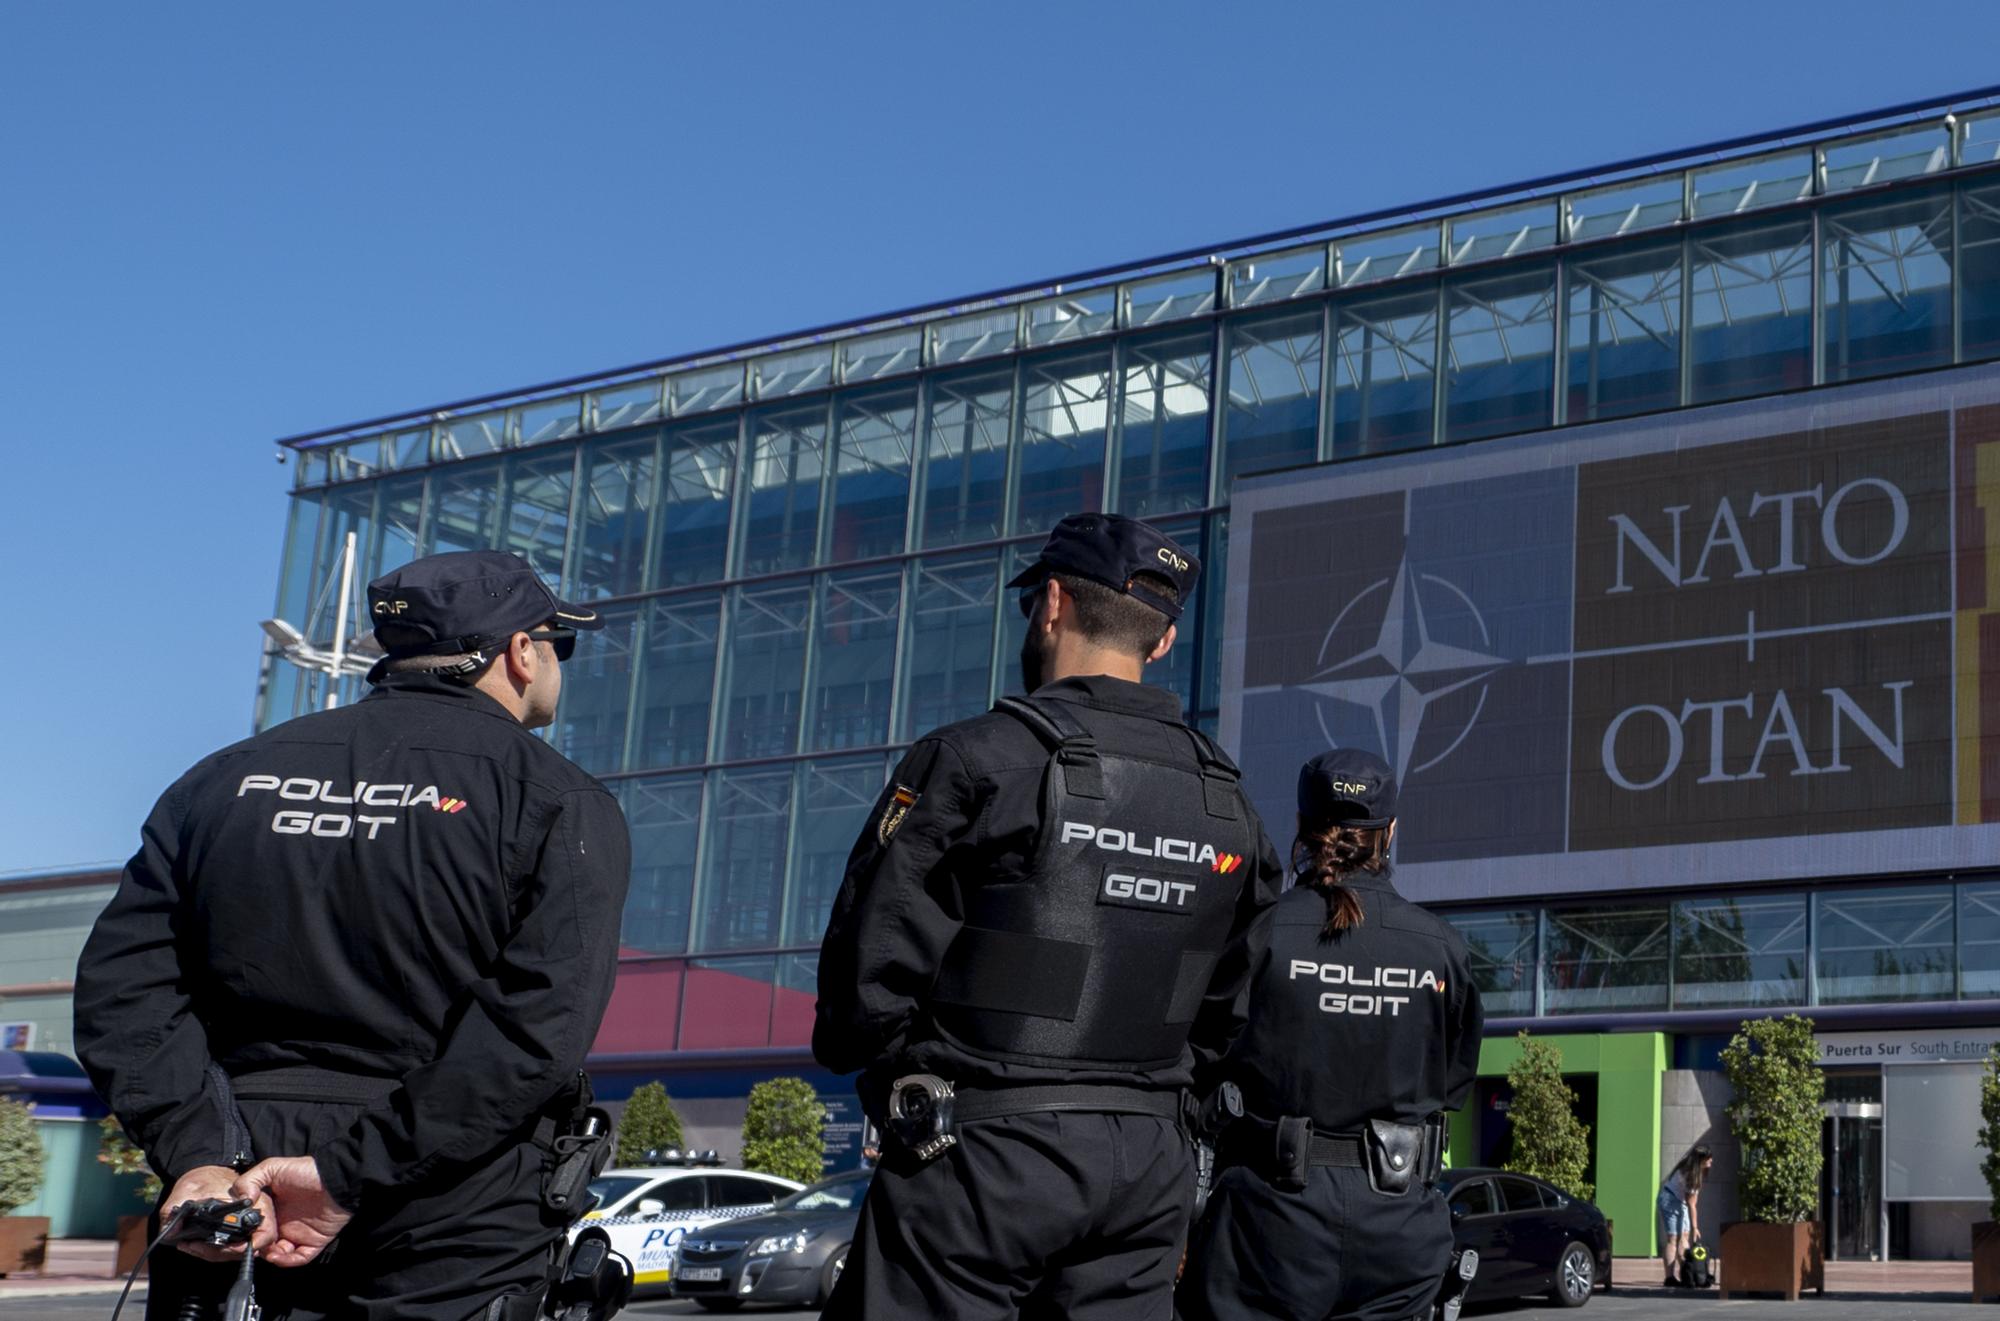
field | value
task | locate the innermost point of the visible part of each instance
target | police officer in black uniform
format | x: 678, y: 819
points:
x: 369, y: 949
x: 1364, y: 1027
x: 1043, y: 932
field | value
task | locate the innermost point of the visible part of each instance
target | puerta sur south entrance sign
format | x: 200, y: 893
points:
x: 1749, y: 642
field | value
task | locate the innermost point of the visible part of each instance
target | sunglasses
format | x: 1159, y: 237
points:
x: 558, y: 637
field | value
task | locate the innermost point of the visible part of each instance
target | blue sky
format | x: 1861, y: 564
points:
x: 222, y: 223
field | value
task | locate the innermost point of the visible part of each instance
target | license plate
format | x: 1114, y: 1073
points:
x: 701, y: 1274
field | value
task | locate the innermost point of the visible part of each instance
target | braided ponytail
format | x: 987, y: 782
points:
x: 1323, y: 858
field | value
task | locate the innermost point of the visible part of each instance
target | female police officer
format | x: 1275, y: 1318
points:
x: 1364, y: 1026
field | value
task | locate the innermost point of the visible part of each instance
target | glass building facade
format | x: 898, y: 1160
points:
x: 800, y: 546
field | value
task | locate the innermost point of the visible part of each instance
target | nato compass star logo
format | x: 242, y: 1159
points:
x: 1401, y: 669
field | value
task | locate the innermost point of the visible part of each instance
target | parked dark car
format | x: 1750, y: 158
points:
x: 1531, y: 1238
x: 790, y: 1254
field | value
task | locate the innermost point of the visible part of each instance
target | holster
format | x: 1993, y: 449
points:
x: 577, y: 1136
x: 1291, y: 1153
x: 514, y: 1307
x: 1403, y: 1155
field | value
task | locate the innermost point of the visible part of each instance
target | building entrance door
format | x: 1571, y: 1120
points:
x: 1851, y: 1180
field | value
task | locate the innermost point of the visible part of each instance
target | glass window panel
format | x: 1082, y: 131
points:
x: 692, y: 524
x: 854, y: 663
x: 664, y: 817
x: 295, y: 578
x: 1501, y: 947
x: 1883, y: 945
x: 787, y: 462
x: 1501, y: 371
x: 1384, y: 372
x: 535, y: 525
x: 743, y: 866
x: 356, y: 459
x: 1979, y: 940
x: 1903, y: 154
x: 965, y: 456
x: 949, y: 660
x: 1886, y: 291
x: 1979, y: 271
x: 627, y: 405
x: 1748, y: 951
x: 790, y: 373
x: 834, y: 800
x: 1505, y: 233
x: 676, y: 688
x: 1745, y: 185
x: 1271, y: 416
x: 1387, y: 255
x: 1276, y: 276
x: 465, y: 508
x: 1979, y: 139
x: 1931, y: 1109
x: 1163, y: 426
x: 1607, y: 958
x: 726, y: 1003
x: 465, y: 437
x: 1624, y: 208
x: 870, y: 501
x: 873, y: 356
x: 412, y: 448
x: 766, y: 676
x: 313, y: 467
x: 1750, y: 316
x: 616, y: 513
x: 1624, y: 331
x: 1065, y: 418
x: 399, y: 524
x: 705, y: 388
x: 597, y: 694
x: 980, y: 335
x: 553, y: 419
x: 1170, y: 297
x: 1072, y: 316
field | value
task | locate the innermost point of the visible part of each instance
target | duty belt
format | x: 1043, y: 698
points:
x: 972, y: 1105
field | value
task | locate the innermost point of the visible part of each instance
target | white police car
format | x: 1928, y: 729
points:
x: 648, y: 1210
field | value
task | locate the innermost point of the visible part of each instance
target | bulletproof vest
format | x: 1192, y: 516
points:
x: 1101, y: 954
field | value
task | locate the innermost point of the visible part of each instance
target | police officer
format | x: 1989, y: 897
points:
x: 1364, y: 1027
x: 1043, y: 931
x: 369, y: 948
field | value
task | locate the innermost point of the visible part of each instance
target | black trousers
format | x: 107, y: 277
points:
x: 1337, y: 1251
x: 1057, y: 1214
x: 442, y: 1254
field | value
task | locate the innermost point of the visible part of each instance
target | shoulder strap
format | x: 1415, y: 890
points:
x: 1220, y: 780
x: 1074, y: 747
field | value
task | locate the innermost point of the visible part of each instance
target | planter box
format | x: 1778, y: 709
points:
x: 1782, y: 1259
x: 24, y: 1240
x: 1985, y: 1261
x: 132, y: 1238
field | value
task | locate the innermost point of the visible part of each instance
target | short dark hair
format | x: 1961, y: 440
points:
x: 1112, y: 619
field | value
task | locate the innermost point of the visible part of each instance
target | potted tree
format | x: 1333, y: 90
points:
x: 1986, y: 1233
x: 23, y: 1239
x: 116, y: 1150
x: 648, y: 1124
x: 1779, y: 1246
x: 783, y: 1130
x: 1550, y: 1142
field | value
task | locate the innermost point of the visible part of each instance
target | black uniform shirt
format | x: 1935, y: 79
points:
x: 975, y: 821
x: 1383, y: 1022
x: 413, y: 887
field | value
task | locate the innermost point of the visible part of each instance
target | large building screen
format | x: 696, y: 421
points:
x: 1743, y: 643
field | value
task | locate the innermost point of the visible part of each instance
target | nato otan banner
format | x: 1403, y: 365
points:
x: 1748, y: 642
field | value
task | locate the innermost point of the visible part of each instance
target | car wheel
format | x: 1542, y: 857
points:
x: 829, y: 1274
x: 718, y: 1304
x: 1576, y: 1276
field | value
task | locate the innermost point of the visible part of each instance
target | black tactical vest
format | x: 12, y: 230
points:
x: 1102, y: 954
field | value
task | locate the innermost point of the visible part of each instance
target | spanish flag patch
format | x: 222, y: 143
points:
x: 898, y: 807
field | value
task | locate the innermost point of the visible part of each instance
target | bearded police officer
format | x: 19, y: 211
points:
x: 1364, y: 1027
x: 369, y: 948
x: 1043, y: 933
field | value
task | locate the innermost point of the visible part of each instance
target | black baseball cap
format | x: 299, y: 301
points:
x: 1350, y: 786
x: 1111, y: 550
x: 463, y: 601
